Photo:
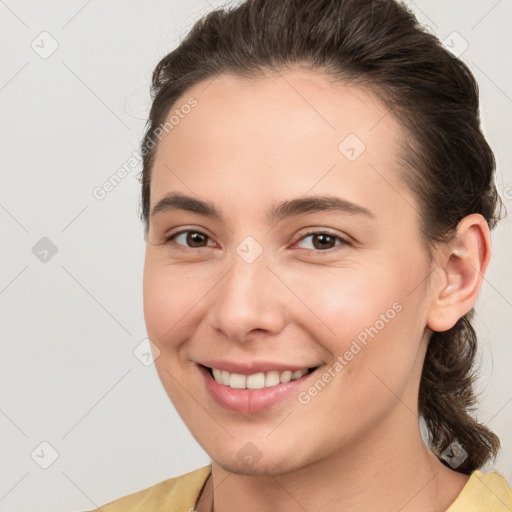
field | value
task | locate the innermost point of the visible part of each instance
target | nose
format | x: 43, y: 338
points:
x: 247, y: 303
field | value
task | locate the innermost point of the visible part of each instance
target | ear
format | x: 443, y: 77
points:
x: 462, y: 264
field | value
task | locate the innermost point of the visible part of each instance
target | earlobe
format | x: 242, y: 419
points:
x: 462, y: 264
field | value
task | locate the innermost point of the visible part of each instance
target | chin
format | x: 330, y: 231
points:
x: 268, y: 468
x: 274, y: 463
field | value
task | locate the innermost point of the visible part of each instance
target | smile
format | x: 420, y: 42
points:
x: 255, y: 390
x: 256, y: 380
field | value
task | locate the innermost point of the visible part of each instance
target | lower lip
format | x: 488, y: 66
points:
x: 250, y: 401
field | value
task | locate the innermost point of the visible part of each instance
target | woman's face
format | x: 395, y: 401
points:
x: 298, y: 248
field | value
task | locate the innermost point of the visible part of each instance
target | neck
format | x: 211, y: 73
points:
x: 390, y: 470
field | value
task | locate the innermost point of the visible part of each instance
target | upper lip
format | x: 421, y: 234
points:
x: 252, y: 367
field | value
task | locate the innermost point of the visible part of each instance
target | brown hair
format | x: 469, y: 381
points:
x: 447, y: 163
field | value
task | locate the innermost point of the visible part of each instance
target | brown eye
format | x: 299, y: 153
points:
x: 195, y: 239
x: 191, y: 239
x: 320, y: 242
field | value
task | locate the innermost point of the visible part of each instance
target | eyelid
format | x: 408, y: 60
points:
x: 169, y: 238
x: 345, y: 240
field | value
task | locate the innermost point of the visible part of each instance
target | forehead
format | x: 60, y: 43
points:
x: 292, y: 131
x: 313, y: 95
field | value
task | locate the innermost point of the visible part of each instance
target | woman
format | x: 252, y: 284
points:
x: 317, y: 197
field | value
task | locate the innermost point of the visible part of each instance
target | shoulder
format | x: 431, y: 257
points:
x: 177, y: 494
x: 484, y: 492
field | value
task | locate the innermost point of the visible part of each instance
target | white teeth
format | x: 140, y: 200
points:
x: 256, y: 380
x: 297, y: 374
x: 237, y: 381
x: 272, y: 379
x: 286, y: 376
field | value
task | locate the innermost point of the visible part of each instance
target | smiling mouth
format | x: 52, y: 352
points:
x: 257, y: 380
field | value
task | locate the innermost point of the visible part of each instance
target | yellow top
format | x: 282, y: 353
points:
x: 483, y: 492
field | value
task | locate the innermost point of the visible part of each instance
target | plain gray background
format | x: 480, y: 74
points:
x: 71, y: 116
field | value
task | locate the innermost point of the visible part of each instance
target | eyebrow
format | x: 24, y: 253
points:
x: 294, y: 207
x: 312, y: 204
x: 176, y: 201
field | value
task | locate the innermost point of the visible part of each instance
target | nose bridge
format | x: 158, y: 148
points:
x: 245, y: 301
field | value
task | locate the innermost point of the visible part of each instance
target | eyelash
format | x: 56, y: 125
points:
x: 318, y: 252
x: 326, y: 252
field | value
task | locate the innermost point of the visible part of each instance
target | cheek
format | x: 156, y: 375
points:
x: 343, y: 302
x: 172, y: 298
x: 365, y: 320
x: 164, y: 300
x: 158, y: 314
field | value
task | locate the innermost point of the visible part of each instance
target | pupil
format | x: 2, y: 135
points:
x: 195, y: 239
x: 325, y: 238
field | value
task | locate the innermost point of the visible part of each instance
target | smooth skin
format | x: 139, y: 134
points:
x: 247, y: 146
